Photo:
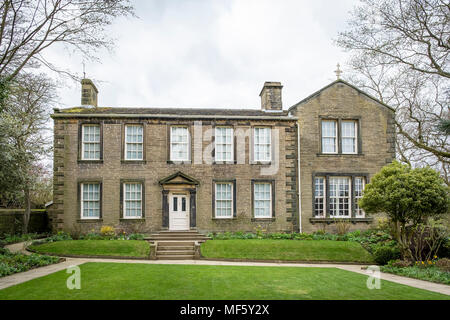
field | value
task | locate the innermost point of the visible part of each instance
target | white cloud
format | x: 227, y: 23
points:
x: 214, y: 53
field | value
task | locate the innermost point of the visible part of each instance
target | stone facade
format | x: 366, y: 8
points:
x: 376, y: 144
x: 161, y: 176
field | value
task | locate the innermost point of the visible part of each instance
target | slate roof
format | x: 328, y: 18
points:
x: 173, y: 111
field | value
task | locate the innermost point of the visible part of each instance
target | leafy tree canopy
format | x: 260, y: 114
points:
x: 406, y: 195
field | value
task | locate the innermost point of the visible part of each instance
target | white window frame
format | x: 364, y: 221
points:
x: 218, y: 159
x: 124, y: 216
x: 216, y: 199
x: 90, y: 142
x: 335, y: 137
x: 355, y: 137
x: 357, y: 208
x: 323, y: 197
x: 255, y: 159
x: 349, y: 180
x: 82, y: 200
x: 270, y: 200
x: 136, y: 143
x: 188, y: 144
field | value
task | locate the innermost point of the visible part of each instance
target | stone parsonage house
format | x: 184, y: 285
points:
x: 153, y: 169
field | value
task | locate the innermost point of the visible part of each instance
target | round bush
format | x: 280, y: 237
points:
x: 383, y: 255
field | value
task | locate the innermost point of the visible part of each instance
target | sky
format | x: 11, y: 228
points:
x: 213, y: 53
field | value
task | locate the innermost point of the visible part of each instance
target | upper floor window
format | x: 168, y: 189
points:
x: 359, y: 187
x: 179, y: 144
x: 132, y: 200
x: 329, y: 136
x: 134, y: 142
x: 224, y: 200
x: 90, y: 200
x: 90, y: 142
x: 224, y: 144
x: 340, y: 197
x: 262, y: 198
x: 348, y: 136
x: 262, y: 138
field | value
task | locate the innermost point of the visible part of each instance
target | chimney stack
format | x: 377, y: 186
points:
x: 89, y: 93
x: 271, y: 96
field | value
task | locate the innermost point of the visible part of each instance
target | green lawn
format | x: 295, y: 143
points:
x: 175, y: 282
x: 308, y: 250
x: 116, y: 248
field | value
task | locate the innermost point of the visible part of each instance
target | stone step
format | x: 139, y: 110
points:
x: 170, y: 248
x: 175, y: 253
x: 181, y: 231
x: 176, y: 257
x: 168, y: 243
x: 181, y: 238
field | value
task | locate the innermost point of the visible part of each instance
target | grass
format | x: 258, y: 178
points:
x: 178, y: 282
x: 113, y: 248
x: 289, y: 250
x: 431, y: 273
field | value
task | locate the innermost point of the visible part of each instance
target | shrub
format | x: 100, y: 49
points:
x: 107, y: 231
x: 443, y: 264
x: 431, y: 273
x: 342, y: 227
x: 399, y: 263
x: 15, y: 262
x: 408, y: 196
x: 136, y: 236
x: 444, y: 250
x: 383, y: 255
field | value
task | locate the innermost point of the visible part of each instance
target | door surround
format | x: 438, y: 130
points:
x: 179, y: 183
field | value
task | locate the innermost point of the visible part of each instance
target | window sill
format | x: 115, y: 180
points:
x: 224, y: 162
x: 179, y: 162
x: 132, y: 220
x: 340, y: 154
x: 133, y: 161
x: 261, y: 163
x: 224, y: 219
x: 89, y: 220
x: 334, y: 220
x: 263, y: 219
x: 90, y: 161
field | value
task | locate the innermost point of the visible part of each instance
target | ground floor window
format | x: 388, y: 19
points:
x: 340, y: 197
x: 359, y: 187
x: 262, y: 204
x: 224, y: 200
x: 337, y: 196
x: 319, y: 197
x: 132, y: 205
x: 90, y: 200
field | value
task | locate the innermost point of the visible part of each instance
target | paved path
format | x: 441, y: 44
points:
x: 43, y: 271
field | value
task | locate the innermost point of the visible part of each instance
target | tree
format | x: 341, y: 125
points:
x: 408, y: 196
x: 29, y: 27
x: 26, y: 144
x: 400, y: 55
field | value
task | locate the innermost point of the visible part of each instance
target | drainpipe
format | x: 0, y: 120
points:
x: 299, y: 181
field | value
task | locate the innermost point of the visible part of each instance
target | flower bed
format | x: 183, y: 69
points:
x: 11, y: 263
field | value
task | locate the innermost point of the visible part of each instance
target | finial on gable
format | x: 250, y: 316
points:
x: 338, y: 71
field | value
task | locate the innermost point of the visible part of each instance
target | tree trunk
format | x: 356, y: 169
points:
x: 27, y: 213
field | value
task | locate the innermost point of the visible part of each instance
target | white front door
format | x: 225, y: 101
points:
x: 178, y: 212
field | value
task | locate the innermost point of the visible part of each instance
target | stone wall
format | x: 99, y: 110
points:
x: 69, y: 171
x: 11, y: 221
x: 377, y: 133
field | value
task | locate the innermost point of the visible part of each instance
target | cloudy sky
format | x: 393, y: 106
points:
x: 214, y: 53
